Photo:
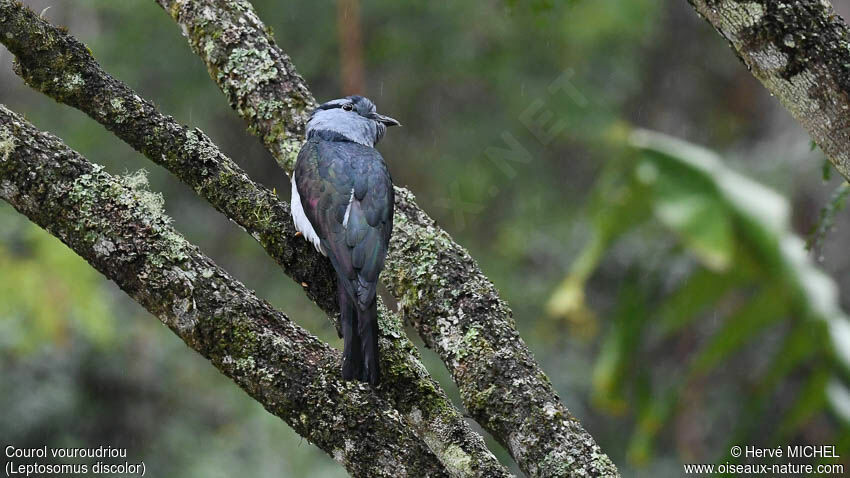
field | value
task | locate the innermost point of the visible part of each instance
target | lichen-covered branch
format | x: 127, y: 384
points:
x: 455, y: 308
x: 53, y: 62
x: 258, y: 79
x: 44, y: 53
x: 121, y: 231
x: 460, y: 315
x: 800, y: 51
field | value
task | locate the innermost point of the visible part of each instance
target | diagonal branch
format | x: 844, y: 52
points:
x: 54, y: 63
x: 121, y: 232
x: 455, y: 308
x: 799, y: 51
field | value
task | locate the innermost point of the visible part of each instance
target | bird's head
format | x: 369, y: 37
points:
x: 353, y: 117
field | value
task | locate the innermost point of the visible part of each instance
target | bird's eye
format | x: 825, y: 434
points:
x: 348, y: 107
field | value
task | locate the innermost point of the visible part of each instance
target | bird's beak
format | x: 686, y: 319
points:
x: 385, y: 119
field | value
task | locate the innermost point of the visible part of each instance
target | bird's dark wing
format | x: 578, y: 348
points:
x: 347, y: 195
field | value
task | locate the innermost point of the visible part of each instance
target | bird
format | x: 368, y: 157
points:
x: 342, y: 203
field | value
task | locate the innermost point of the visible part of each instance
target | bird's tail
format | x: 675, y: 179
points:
x: 367, y: 324
x: 360, y: 340
x: 352, y: 355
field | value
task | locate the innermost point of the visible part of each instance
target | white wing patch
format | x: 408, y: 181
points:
x: 302, y: 224
x: 348, y: 209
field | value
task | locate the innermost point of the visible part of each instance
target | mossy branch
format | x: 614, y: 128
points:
x: 46, y: 55
x: 800, y: 51
x: 121, y: 231
x: 455, y: 308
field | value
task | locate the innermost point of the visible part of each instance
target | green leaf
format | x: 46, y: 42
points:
x: 617, y: 206
x: 810, y: 400
x: 764, y: 309
x: 689, y: 203
x: 650, y: 420
x: 699, y: 292
x: 614, y: 362
x: 740, y: 235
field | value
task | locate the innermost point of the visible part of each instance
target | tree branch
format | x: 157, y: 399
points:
x: 799, y: 51
x: 455, y: 308
x: 121, y: 231
x: 56, y: 64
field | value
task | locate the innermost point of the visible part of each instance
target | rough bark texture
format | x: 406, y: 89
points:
x: 455, y: 308
x: 509, y: 395
x: 460, y: 315
x: 800, y: 51
x: 56, y: 64
x: 119, y: 228
x: 53, y: 62
x: 258, y: 79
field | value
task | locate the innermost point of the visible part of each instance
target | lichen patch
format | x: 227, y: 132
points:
x: 7, y: 143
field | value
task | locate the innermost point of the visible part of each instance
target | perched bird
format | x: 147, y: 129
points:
x: 342, y: 202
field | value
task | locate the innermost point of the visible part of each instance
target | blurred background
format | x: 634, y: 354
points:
x: 671, y: 243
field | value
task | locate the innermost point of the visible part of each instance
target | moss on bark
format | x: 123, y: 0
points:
x: 258, y: 80
x: 800, y: 51
x: 443, y: 292
x: 194, y: 159
x: 440, y: 288
x: 119, y: 228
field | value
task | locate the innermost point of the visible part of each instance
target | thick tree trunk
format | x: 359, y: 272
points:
x: 122, y: 233
x: 455, y: 308
x: 799, y: 51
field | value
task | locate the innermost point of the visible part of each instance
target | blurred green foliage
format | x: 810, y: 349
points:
x: 693, y: 317
x: 747, y: 273
x: 48, y: 294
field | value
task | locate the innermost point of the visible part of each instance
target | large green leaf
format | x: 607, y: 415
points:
x: 740, y: 327
x: 750, y: 272
x: 703, y: 289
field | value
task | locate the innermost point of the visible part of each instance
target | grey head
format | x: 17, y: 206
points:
x: 353, y: 118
